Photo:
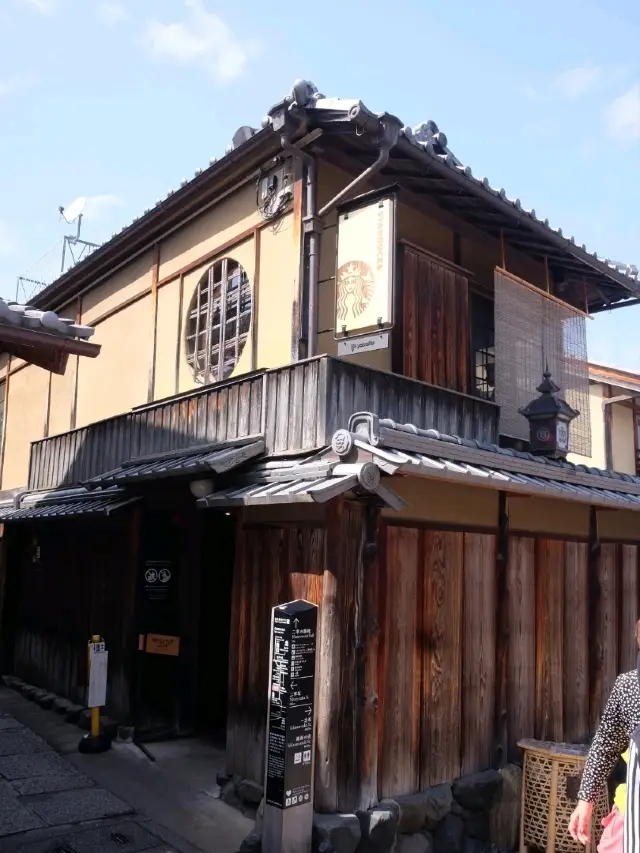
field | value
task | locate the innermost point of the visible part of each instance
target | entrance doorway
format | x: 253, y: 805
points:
x: 217, y: 563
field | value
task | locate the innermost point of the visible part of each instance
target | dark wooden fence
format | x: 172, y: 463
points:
x: 297, y: 407
x: 472, y: 653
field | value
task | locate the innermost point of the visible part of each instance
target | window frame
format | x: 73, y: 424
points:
x: 223, y: 296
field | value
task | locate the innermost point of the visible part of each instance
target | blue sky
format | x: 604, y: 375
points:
x: 118, y: 101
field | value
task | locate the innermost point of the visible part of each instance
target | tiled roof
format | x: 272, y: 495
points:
x: 24, y: 316
x: 302, y: 481
x: 305, y: 100
x: 405, y: 448
x: 64, y: 505
x: 213, y: 458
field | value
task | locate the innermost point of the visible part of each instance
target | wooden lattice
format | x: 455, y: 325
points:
x: 548, y: 798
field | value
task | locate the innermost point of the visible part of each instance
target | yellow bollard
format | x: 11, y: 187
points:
x: 95, y: 712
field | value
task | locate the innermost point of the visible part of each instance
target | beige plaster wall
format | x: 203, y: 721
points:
x: 118, y: 378
x: 446, y: 503
x: 622, y: 439
x: 24, y: 422
x: 543, y: 515
x: 123, y: 285
x: 598, y: 458
x: 216, y: 226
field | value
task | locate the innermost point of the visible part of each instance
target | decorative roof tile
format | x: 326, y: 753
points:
x: 26, y: 317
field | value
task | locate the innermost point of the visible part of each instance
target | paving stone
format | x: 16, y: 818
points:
x: 7, y: 722
x: 49, y: 784
x: 14, y: 767
x: 121, y: 838
x: 76, y: 806
x: 21, y: 742
x: 15, y: 817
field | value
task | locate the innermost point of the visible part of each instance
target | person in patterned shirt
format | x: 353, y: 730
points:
x: 620, y: 720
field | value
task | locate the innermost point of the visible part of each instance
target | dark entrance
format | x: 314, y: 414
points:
x: 217, y: 562
x: 159, y: 622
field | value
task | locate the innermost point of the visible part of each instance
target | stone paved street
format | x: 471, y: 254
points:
x: 48, y: 806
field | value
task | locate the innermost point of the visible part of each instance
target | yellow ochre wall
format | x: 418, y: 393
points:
x: 123, y: 310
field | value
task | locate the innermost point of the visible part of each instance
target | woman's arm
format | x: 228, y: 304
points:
x: 611, y: 740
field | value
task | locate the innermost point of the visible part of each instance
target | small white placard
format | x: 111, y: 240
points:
x: 364, y: 343
x: 98, y: 664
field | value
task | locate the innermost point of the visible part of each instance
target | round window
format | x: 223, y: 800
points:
x: 218, y: 321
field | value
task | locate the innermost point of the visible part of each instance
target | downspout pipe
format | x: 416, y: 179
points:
x: 313, y: 224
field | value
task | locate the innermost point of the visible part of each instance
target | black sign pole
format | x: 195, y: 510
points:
x: 290, y: 747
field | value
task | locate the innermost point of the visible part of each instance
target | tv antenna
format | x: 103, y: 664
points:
x: 74, y: 213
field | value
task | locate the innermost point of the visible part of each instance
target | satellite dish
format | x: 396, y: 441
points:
x: 74, y: 210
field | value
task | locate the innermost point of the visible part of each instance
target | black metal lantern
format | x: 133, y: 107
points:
x: 549, y: 417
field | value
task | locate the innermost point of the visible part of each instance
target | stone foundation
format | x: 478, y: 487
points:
x: 476, y: 814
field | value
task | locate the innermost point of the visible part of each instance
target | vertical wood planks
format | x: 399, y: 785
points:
x: 520, y: 615
x: 576, y: 642
x: 629, y: 612
x: 604, y: 629
x: 478, y: 651
x: 549, y: 597
x: 400, y: 663
x: 441, y: 666
x: 436, y: 322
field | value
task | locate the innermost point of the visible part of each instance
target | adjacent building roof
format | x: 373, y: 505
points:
x: 208, y: 458
x: 420, y: 160
x: 60, y: 505
x: 42, y: 337
x: 612, y: 376
x: 407, y: 449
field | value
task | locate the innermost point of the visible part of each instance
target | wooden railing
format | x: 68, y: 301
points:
x: 297, y: 408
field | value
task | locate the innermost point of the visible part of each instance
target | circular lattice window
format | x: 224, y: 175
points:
x: 218, y: 321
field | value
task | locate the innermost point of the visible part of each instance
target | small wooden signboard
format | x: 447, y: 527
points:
x: 162, y: 644
x: 290, y: 752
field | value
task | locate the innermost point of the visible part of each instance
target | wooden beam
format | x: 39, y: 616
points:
x: 3, y: 436
x: 154, y: 325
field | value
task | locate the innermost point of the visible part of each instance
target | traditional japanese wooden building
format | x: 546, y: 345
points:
x: 314, y: 357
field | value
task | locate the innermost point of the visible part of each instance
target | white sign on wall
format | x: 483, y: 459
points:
x: 365, y: 268
x: 98, y: 665
x: 363, y: 343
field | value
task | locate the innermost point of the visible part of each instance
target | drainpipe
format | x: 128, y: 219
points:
x: 313, y: 223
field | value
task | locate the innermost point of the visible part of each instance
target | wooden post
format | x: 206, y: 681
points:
x: 347, y: 747
x: 501, y: 734
x: 289, y: 761
x: 503, y: 254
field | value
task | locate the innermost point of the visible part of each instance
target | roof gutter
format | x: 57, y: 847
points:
x: 537, y: 227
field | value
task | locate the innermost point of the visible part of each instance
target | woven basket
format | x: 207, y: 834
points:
x: 550, y: 782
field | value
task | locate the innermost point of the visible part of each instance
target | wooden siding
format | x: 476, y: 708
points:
x: 435, y: 320
x: 297, y: 407
x: 83, y: 584
x: 440, y: 650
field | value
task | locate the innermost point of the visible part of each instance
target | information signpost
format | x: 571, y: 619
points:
x: 289, y: 765
x: 96, y: 740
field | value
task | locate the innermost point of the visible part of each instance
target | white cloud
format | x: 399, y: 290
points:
x: 44, y: 7
x: 622, y: 117
x: 112, y: 13
x: 17, y: 84
x: 8, y: 239
x: 575, y: 82
x: 202, y: 39
x: 98, y: 205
